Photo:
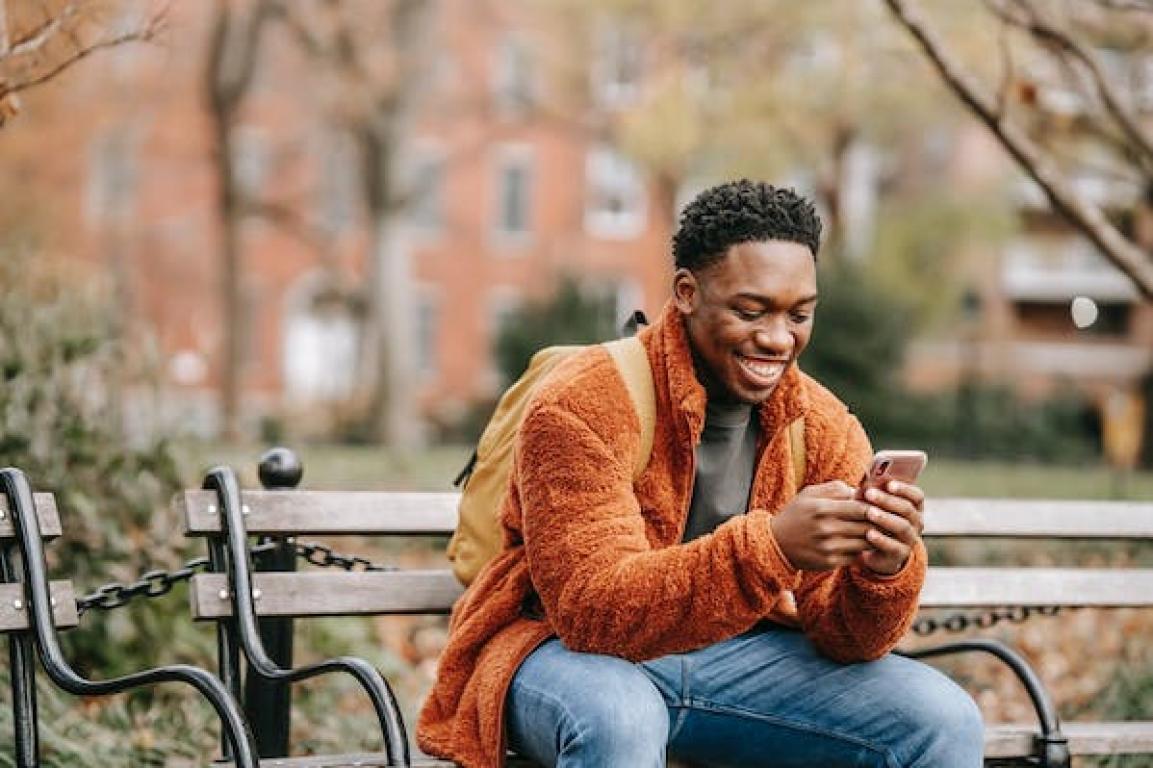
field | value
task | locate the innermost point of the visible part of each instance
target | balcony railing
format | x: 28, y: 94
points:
x: 1034, y: 272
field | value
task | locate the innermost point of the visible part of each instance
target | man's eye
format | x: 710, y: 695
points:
x: 748, y: 314
x: 800, y: 317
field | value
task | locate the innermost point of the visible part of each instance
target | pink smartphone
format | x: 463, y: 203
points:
x: 892, y: 465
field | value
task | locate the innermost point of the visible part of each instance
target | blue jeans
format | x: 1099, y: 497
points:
x: 764, y: 698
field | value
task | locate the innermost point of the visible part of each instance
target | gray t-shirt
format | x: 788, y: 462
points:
x: 726, y: 458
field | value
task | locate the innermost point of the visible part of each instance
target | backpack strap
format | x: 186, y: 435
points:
x: 633, y: 363
x: 797, y: 452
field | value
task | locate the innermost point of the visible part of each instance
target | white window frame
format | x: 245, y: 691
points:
x: 428, y: 156
x: 610, y: 176
x: 519, y: 157
x: 617, y: 65
x: 514, y: 82
x: 427, y: 349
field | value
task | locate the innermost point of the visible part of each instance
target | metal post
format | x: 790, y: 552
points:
x: 22, y: 659
x: 268, y: 703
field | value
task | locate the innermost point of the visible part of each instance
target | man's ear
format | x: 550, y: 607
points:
x: 686, y: 291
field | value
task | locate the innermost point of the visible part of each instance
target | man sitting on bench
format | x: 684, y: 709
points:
x: 708, y: 609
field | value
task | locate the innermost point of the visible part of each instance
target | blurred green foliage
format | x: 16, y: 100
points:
x: 571, y: 316
x: 60, y: 422
x: 862, y: 331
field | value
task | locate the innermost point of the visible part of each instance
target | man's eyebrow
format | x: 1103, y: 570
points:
x: 767, y: 300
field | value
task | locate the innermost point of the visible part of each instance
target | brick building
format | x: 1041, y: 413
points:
x: 111, y: 168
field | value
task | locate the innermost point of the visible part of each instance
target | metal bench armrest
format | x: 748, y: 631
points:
x: 233, y: 556
x: 1052, y: 745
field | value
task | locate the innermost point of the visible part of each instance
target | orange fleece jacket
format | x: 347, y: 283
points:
x: 603, y: 557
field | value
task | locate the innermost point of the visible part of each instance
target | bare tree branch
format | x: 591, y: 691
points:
x: 36, y: 38
x: 39, y: 37
x: 1059, y: 40
x: 1140, y: 6
x: 1085, y: 216
x: 1008, y: 74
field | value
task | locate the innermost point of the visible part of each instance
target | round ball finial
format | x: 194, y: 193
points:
x: 280, y: 468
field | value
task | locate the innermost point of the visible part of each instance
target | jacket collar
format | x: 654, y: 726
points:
x: 673, y: 366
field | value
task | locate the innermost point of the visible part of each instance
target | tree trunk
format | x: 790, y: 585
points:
x: 388, y: 365
x: 233, y: 47
x: 231, y: 293
x: 383, y: 136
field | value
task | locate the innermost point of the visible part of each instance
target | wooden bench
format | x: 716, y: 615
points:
x: 32, y: 609
x: 289, y: 513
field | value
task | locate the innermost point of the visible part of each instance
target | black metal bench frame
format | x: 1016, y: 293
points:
x: 22, y: 561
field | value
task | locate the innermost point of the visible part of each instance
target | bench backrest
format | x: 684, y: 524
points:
x: 13, y: 605
x: 317, y: 513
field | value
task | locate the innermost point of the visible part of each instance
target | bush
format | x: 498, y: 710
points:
x: 858, y: 345
x: 59, y: 423
x: 858, y: 351
x: 571, y: 316
x: 991, y: 422
x: 59, y: 360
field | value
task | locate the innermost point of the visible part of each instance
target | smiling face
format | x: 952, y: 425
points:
x: 748, y: 316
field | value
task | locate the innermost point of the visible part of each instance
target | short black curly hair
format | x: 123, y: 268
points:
x: 740, y: 212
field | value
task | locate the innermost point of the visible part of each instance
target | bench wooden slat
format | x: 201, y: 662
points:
x: 365, y: 760
x: 332, y: 594
x: 953, y: 587
x: 13, y: 618
x: 326, y: 512
x: 367, y: 512
x: 1036, y: 518
x: 1002, y: 740
x: 434, y: 591
x: 1105, y: 738
x: 45, y: 504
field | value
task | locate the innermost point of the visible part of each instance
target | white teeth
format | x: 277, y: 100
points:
x: 765, y: 370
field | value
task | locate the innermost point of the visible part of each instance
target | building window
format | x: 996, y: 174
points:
x: 617, y: 65
x: 513, y: 83
x: 112, y: 179
x: 514, y: 173
x: 428, y: 172
x: 338, y: 183
x: 1052, y: 319
x: 427, y: 331
x: 615, y: 206
x: 251, y: 159
x: 321, y: 347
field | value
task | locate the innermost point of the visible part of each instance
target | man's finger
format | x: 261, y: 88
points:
x: 913, y: 493
x: 892, y: 524
x: 898, y: 505
x: 834, y: 489
x: 886, y: 545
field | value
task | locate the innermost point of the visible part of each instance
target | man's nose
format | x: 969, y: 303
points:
x: 773, y: 336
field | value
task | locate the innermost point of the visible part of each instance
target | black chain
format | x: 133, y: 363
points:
x: 322, y: 555
x: 959, y: 622
x: 160, y: 582
x: 151, y: 584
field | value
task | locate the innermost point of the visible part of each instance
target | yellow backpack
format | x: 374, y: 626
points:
x: 477, y: 538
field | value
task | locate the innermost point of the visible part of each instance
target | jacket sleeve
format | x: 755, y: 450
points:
x: 604, y: 588
x: 851, y: 613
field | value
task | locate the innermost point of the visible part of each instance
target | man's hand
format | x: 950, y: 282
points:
x: 825, y: 526
x: 896, y: 517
